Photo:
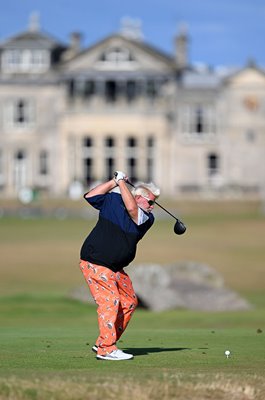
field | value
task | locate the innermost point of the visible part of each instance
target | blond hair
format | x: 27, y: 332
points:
x: 143, y: 189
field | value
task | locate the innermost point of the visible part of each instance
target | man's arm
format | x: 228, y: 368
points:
x: 102, y: 188
x: 129, y: 200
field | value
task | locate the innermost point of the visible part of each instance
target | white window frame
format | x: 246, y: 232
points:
x: 117, y: 58
x: 11, y: 113
x: 25, y: 60
x: 188, y: 122
x: 109, y: 154
x: 150, y: 156
x: 20, y: 169
x: 132, y: 155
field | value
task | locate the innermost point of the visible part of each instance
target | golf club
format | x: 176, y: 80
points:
x: 179, y: 227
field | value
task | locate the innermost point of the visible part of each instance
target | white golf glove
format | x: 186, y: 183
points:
x: 119, y: 175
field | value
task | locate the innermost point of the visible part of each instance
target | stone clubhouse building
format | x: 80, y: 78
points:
x: 72, y: 115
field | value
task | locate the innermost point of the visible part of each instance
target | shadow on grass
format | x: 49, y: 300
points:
x: 147, y: 350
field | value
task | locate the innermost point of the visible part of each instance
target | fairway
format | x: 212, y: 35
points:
x: 52, y: 353
x: 46, y: 338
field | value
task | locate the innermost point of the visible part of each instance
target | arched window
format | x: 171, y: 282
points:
x: 20, y: 169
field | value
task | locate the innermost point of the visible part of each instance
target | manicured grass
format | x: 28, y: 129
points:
x: 175, y: 352
x: 45, y: 338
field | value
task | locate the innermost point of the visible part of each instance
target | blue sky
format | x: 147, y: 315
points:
x: 222, y: 32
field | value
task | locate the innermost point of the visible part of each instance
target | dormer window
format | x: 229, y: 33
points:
x: 117, y: 57
x: 26, y: 60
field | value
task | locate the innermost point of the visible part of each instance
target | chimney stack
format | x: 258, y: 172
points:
x: 75, y: 42
x: 181, y: 47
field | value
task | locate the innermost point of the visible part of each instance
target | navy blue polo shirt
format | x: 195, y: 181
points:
x: 113, y: 241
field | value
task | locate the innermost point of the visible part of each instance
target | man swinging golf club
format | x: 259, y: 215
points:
x: 124, y: 218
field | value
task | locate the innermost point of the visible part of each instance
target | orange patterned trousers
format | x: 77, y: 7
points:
x: 116, y: 300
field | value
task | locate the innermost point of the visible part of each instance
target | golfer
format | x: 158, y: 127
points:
x: 124, y: 218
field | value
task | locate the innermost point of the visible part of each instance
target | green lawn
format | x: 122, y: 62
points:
x: 46, y: 344
x: 45, y: 338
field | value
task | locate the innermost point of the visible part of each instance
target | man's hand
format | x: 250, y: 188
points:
x: 119, y: 175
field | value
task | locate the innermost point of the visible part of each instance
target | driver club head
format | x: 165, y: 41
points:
x: 179, y: 228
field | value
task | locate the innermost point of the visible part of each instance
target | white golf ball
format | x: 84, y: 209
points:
x: 227, y: 353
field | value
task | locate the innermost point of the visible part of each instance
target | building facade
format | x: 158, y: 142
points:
x: 69, y: 114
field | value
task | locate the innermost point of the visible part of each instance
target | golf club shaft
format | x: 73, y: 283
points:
x: 163, y: 208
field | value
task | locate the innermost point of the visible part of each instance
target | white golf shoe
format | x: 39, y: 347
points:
x: 115, y: 355
x: 95, y: 348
